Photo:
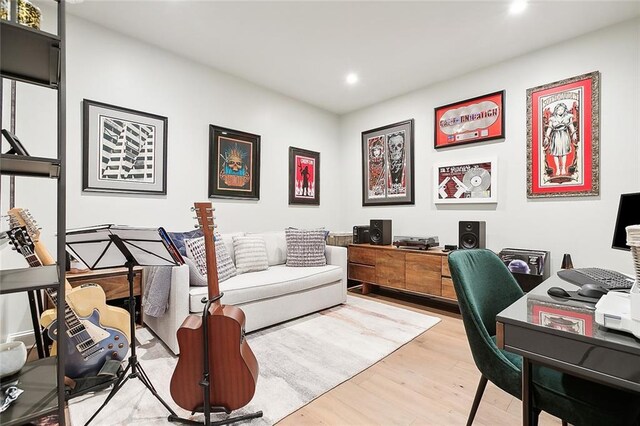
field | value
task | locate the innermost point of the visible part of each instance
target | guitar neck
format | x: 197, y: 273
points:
x: 46, y: 259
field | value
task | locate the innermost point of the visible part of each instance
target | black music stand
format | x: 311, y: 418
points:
x: 110, y: 246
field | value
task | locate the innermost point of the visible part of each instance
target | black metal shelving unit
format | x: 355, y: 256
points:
x: 37, y: 57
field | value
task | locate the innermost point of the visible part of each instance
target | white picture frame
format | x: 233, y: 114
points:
x: 465, y: 182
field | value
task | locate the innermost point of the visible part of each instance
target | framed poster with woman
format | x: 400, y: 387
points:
x: 563, y: 138
x: 304, y: 176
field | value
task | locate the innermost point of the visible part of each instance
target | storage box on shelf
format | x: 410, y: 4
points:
x: 422, y: 272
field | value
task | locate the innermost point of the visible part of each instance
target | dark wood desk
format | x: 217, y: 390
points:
x: 569, y: 341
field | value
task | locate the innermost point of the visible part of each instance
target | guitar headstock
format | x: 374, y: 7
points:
x: 204, y: 215
x: 19, y: 217
x: 20, y: 240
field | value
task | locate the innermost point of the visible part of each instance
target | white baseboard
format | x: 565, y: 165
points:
x: 26, y: 337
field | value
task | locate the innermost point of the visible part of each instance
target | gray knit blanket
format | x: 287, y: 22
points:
x: 156, y: 292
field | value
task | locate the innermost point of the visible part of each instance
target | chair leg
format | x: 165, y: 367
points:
x: 536, y: 417
x: 476, y: 401
x: 564, y: 423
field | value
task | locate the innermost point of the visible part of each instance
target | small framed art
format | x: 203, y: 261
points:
x: 466, y: 183
x: 124, y: 150
x: 234, y: 164
x: 478, y: 119
x: 387, y: 165
x: 304, y: 176
x: 563, y: 138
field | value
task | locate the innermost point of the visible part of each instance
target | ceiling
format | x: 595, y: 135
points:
x: 305, y: 49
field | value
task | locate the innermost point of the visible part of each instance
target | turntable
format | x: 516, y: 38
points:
x: 415, y: 243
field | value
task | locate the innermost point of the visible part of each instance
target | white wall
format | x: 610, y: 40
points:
x: 110, y: 68
x: 579, y: 226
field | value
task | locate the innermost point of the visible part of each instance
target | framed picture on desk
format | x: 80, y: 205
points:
x: 572, y: 319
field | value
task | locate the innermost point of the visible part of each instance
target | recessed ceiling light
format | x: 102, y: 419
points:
x: 352, y: 78
x: 517, y: 7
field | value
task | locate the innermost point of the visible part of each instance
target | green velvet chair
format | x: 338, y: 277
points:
x: 485, y: 287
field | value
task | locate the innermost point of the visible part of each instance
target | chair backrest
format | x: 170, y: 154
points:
x: 484, y: 287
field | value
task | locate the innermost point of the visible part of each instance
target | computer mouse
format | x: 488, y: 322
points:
x: 558, y: 292
x: 592, y: 290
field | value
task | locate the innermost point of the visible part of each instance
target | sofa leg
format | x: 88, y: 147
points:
x: 476, y: 401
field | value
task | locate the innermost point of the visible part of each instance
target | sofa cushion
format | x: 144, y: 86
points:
x: 273, y: 282
x: 251, y: 254
x: 305, y: 247
x: 276, y: 246
x: 228, y: 242
x: 196, y: 251
x: 179, y: 237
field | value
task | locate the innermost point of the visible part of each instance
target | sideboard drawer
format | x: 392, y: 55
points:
x: 362, y: 273
x: 363, y: 255
x: 447, y: 289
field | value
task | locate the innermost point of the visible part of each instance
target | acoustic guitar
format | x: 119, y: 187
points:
x: 96, y: 332
x: 233, y: 366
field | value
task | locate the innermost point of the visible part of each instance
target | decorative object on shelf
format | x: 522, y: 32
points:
x: 304, y: 176
x: 567, y: 263
x: 124, y: 150
x: 28, y: 14
x: 465, y: 183
x: 563, y: 138
x: 387, y: 165
x: 13, y: 356
x: 234, y: 164
x: 478, y: 119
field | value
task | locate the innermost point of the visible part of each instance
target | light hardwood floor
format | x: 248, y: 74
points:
x: 430, y: 381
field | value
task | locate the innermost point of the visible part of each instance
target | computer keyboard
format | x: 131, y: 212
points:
x: 603, y: 277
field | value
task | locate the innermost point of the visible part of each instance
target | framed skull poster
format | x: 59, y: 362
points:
x: 234, y: 164
x: 387, y: 165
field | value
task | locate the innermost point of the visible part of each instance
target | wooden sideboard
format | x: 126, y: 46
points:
x: 424, y: 272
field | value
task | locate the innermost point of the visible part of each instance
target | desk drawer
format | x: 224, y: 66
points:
x: 445, y: 266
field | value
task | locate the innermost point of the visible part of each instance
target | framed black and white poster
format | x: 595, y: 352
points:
x: 234, y: 164
x: 124, y: 150
x: 387, y: 165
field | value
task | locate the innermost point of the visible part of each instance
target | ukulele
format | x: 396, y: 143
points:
x: 96, y: 332
x: 233, y: 366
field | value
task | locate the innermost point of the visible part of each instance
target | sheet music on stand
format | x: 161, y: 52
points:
x: 95, y: 247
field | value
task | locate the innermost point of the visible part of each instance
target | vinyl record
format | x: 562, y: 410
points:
x: 477, y: 180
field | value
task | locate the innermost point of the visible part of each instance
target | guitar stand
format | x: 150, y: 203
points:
x: 133, y: 364
x: 206, y: 384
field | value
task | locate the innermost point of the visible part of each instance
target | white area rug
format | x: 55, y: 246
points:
x: 299, y: 361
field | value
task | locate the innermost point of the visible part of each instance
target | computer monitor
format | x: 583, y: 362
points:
x: 628, y: 214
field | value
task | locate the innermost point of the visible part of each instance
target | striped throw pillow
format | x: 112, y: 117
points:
x: 305, y: 247
x: 196, y: 251
x: 250, y: 253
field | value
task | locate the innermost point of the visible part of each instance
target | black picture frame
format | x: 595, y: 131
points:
x: 104, y: 168
x: 463, y: 112
x: 229, y: 174
x: 384, y: 184
x: 300, y: 160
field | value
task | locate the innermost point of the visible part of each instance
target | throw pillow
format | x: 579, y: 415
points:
x: 196, y: 251
x: 179, y: 237
x: 305, y: 247
x: 251, y: 254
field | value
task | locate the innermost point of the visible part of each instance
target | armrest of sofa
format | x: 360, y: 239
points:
x: 166, y: 326
x: 338, y: 256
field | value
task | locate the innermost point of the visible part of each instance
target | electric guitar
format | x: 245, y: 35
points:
x: 232, y: 365
x: 96, y: 331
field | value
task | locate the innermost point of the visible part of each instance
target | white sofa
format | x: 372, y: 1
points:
x: 267, y: 297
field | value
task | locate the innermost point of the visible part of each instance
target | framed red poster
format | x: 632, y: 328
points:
x: 562, y: 317
x: 477, y: 119
x: 304, y: 176
x: 563, y: 138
